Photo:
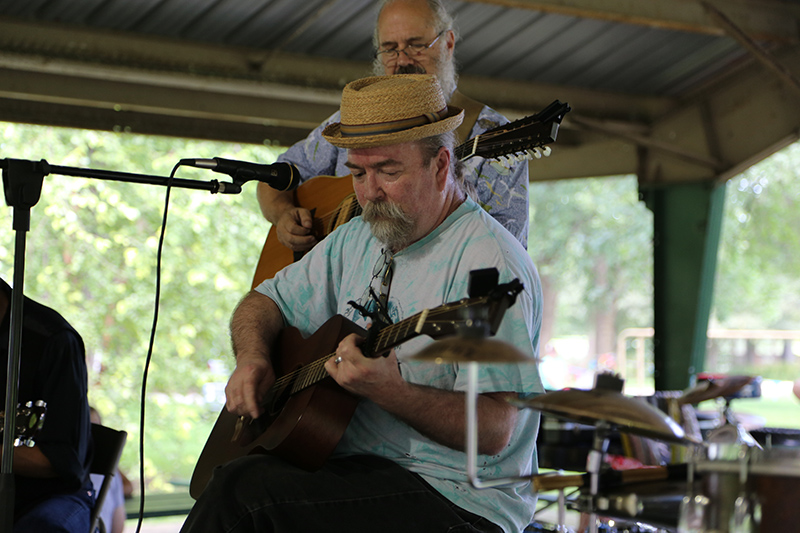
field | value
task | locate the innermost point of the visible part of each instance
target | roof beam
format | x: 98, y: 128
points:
x: 772, y: 20
x: 101, y: 69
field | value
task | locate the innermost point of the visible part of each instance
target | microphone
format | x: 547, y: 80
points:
x: 280, y: 176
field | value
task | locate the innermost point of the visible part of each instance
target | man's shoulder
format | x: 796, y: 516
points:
x: 485, y: 118
x: 478, y: 223
x: 489, y: 119
x: 44, y: 321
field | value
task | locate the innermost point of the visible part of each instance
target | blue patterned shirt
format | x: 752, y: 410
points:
x: 501, y: 191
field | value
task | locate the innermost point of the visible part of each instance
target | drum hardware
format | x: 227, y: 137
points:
x: 711, y: 386
x: 722, y: 388
x: 746, y: 510
x: 605, y: 407
x: 722, y: 501
x: 653, y: 503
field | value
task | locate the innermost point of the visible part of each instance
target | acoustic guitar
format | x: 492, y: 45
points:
x: 305, y: 411
x: 332, y: 201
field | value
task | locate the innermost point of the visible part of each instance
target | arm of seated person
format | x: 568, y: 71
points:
x: 31, y: 462
x: 254, y: 327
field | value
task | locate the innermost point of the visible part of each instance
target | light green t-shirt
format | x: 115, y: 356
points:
x: 429, y: 273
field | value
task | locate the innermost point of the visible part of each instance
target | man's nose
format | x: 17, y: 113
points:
x: 371, y: 189
x: 403, y: 58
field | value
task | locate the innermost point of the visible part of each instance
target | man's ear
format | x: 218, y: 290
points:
x: 450, y: 42
x: 442, y: 167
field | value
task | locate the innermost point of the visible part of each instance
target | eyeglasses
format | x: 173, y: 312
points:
x: 377, y: 308
x: 411, y: 51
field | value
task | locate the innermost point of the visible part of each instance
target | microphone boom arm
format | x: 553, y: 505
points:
x: 45, y: 168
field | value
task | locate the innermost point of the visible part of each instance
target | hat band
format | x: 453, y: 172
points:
x: 393, y: 126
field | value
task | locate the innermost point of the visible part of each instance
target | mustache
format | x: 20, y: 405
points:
x: 389, y: 223
x: 373, y: 211
x: 410, y: 69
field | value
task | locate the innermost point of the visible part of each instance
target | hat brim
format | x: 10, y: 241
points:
x: 333, y: 133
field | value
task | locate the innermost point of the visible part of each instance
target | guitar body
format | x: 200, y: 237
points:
x: 305, y: 411
x: 302, y: 428
x: 331, y: 201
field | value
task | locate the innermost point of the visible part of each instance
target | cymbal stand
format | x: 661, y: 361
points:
x: 472, y: 450
x: 472, y: 438
x: 594, y: 462
x: 477, y: 328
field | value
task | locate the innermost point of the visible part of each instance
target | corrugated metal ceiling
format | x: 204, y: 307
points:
x: 495, y: 41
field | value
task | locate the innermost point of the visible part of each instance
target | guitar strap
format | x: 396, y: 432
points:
x: 472, y: 109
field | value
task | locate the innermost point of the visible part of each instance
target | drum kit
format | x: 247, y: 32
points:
x: 727, y: 484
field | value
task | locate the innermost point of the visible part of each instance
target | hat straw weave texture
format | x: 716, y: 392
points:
x: 384, y: 110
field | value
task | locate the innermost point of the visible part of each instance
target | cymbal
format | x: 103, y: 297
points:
x: 716, y: 388
x: 466, y: 349
x: 599, y: 405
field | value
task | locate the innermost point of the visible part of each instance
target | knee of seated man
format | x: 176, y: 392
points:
x: 243, y: 474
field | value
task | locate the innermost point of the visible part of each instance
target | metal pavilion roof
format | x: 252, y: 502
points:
x: 496, y: 41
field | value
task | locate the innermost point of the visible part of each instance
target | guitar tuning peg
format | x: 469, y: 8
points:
x: 547, y: 151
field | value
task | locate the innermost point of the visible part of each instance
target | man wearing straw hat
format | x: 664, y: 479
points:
x: 400, y: 465
x: 411, y: 37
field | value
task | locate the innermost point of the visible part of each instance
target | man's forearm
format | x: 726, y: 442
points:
x: 254, y: 326
x: 272, y: 202
x: 441, y: 416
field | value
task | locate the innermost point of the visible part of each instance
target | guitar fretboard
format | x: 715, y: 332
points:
x: 387, y: 338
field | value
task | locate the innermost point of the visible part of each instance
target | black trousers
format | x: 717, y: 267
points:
x: 261, y: 493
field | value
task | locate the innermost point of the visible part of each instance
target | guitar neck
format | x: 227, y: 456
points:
x: 434, y: 322
x: 386, y: 339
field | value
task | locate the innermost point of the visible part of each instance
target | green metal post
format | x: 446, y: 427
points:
x: 687, y: 220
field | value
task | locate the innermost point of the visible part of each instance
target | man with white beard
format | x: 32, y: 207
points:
x: 411, y: 37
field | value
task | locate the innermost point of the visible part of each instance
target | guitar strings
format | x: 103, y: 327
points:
x: 315, y: 371
x: 352, y: 210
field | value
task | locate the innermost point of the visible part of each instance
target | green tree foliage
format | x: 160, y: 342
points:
x: 758, y: 273
x: 591, y: 240
x: 91, y: 255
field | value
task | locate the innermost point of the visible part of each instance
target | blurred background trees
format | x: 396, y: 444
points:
x: 92, y: 256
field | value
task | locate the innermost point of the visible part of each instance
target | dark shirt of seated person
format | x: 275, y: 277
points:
x: 53, y: 491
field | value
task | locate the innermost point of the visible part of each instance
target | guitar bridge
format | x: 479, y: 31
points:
x: 238, y: 428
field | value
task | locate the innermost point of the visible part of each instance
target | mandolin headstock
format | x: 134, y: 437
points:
x: 523, y: 139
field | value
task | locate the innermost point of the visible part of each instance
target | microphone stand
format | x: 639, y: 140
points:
x: 22, y: 183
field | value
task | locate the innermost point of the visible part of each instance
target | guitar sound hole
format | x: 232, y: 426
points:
x: 278, y: 398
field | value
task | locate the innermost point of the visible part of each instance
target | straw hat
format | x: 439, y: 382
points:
x: 384, y: 110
